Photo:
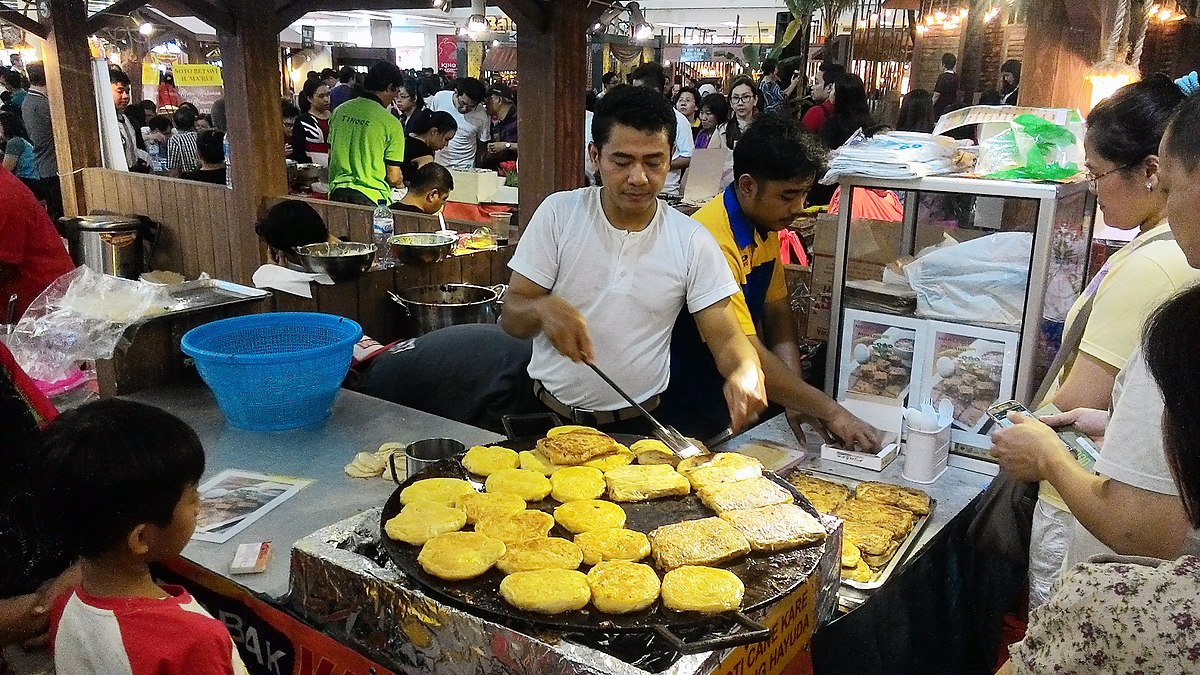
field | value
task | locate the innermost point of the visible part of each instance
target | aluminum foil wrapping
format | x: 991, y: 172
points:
x: 343, y: 585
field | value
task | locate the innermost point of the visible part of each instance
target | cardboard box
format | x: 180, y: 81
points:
x: 474, y: 186
x: 876, y: 462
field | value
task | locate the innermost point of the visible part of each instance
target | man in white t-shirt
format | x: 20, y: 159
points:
x: 601, y: 273
x: 465, y: 104
x: 653, y: 76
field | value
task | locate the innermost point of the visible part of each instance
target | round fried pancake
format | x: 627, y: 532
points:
x: 573, y: 483
x: 443, y: 491
x: 708, y: 590
x: 533, y: 460
x: 860, y: 572
x: 621, y: 457
x: 546, y: 591
x: 621, y: 587
x: 484, y: 460
x: 612, y: 543
x: 851, y: 556
x: 512, y: 528
x: 589, y: 514
x: 455, y: 556
x: 419, y: 522
x: 546, y: 553
x: 576, y: 447
x: 528, y: 485
x: 483, y: 504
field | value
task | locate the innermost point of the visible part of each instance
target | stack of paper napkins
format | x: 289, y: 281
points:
x: 897, y: 155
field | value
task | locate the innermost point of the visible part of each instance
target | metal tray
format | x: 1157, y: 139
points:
x: 768, y: 577
x: 906, y: 545
x: 191, y: 296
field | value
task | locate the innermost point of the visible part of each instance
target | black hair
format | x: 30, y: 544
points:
x: 136, y: 114
x: 149, y: 106
x: 652, y: 75
x: 949, y: 61
x: 306, y: 93
x: 116, y: 75
x: 13, y: 125
x: 413, y: 88
x: 471, y: 88
x: 775, y: 148
x: 640, y: 108
x: 991, y: 97
x: 589, y: 101
x: 850, y: 111
x: 210, y: 145
x: 14, y: 79
x: 185, y: 118
x: 768, y: 66
x: 1128, y: 126
x: 916, y: 112
x: 1012, y: 67
x: 425, y: 120
x: 689, y: 90
x: 288, y: 109
x: 609, y: 77
x: 383, y: 75
x: 112, y: 465
x: 431, y: 176
x: 733, y: 131
x: 37, y: 73
x: 190, y: 106
x: 160, y: 123
x: 1183, y: 143
x: 291, y: 223
x: 345, y: 74
x: 718, y: 105
x: 831, y: 71
x: 1172, y: 352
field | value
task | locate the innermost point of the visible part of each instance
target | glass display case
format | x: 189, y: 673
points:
x: 963, y: 298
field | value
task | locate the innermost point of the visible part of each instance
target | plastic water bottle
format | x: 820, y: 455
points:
x: 155, y: 152
x: 382, y: 228
x: 228, y: 173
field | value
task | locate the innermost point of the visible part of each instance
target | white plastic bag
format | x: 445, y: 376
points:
x: 979, y: 280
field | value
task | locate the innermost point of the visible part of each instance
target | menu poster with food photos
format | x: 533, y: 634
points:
x: 879, y: 357
x: 971, y: 367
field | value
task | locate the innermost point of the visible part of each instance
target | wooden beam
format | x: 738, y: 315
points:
x: 553, y: 67
x: 1064, y: 52
x: 289, y: 12
x: 72, y: 96
x: 115, y: 13
x: 250, y: 52
x: 24, y: 22
x: 530, y: 12
x: 212, y: 13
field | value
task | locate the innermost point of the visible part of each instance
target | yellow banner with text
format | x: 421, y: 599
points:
x: 186, y: 75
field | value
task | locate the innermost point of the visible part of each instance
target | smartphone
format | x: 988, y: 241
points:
x: 1076, y: 441
x: 999, y: 412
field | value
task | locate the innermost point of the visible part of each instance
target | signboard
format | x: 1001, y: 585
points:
x: 447, y: 54
x: 696, y: 55
x: 186, y: 75
x: 792, y: 622
x: 500, y: 24
x: 308, y: 36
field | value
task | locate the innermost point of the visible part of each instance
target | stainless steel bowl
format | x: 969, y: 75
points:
x: 340, y: 261
x: 415, y: 248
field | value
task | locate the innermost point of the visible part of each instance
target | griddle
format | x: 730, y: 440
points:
x: 767, y: 576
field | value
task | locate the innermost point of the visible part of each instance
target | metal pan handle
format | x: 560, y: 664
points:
x: 753, y: 632
x: 399, y: 301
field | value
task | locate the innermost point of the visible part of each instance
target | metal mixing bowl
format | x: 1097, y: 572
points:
x: 415, y: 248
x: 341, y: 261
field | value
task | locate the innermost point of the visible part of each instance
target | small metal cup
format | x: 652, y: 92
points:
x: 421, y: 455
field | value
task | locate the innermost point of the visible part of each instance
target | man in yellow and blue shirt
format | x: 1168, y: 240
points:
x: 773, y: 168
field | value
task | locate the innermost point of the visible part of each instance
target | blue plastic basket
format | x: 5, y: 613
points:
x: 280, y: 370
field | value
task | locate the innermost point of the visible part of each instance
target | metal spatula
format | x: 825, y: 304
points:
x: 677, y: 442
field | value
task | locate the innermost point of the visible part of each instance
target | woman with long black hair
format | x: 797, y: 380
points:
x: 850, y: 111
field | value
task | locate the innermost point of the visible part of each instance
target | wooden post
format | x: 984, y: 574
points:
x: 552, y: 60
x: 70, y: 89
x: 250, y: 55
x: 1061, y: 44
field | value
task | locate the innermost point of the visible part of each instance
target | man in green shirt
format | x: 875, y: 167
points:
x: 366, y: 143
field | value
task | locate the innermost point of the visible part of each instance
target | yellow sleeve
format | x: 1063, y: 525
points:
x: 777, y: 290
x: 738, y: 300
x: 1124, y: 300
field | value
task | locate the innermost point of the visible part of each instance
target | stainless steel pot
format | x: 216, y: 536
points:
x: 416, y: 248
x: 108, y: 244
x: 341, y: 261
x: 439, y: 306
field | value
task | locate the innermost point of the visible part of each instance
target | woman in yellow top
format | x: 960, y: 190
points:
x: 1122, y: 162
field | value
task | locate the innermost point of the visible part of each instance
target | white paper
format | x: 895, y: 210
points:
x: 288, y: 281
x: 234, y: 499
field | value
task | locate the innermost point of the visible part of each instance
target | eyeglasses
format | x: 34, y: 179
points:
x: 1094, y: 179
x: 744, y: 98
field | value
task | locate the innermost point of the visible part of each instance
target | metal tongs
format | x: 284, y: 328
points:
x: 677, y: 442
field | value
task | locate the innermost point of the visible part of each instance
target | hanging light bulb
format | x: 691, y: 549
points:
x: 939, y: 15
x: 146, y: 29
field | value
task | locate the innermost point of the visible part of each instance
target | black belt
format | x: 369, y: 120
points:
x: 589, y: 417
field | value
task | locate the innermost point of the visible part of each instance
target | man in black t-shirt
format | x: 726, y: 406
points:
x: 945, y: 92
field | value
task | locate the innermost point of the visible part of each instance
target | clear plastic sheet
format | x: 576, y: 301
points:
x: 343, y: 585
x: 82, y: 316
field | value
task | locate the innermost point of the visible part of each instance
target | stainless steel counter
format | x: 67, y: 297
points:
x: 359, y: 423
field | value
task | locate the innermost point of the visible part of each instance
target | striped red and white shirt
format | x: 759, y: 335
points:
x: 139, y: 636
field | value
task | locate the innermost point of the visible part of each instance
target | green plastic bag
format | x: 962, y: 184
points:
x: 1032, y: 149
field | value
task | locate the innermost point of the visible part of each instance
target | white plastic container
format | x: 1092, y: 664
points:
x: 926, y: 454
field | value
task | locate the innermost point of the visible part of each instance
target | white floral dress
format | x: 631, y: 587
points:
x: 1133, y: 615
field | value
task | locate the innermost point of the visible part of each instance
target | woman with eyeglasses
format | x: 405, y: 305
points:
x: 408, y: 101
x: 1105, y: 323
x: 744, y: 101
